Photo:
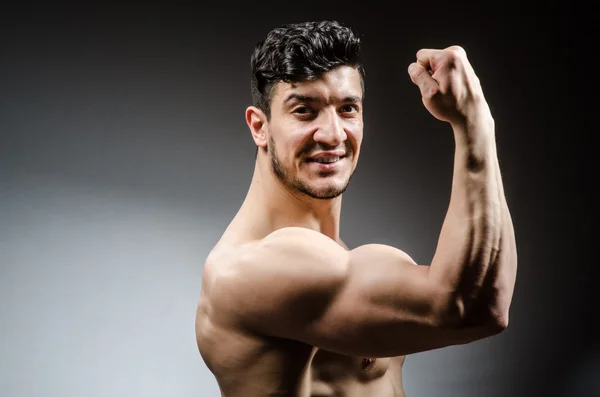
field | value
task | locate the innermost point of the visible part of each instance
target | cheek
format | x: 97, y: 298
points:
x: 296, y: 141
x: 288, y: 145
x: 355, y: 133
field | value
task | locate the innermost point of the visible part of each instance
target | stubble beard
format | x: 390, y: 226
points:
x: 299, y: 185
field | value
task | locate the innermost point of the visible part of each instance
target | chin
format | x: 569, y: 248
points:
x: 323, y: 191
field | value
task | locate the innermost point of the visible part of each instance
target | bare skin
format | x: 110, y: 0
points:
x: 286, y: 309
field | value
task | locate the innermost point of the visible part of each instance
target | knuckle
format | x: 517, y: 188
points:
x: 457, y: 50
x: 455, y: 55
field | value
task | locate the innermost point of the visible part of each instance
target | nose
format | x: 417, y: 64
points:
x: 331, y: 130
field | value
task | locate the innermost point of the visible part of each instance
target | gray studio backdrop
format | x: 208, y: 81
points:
x: 124, y: 154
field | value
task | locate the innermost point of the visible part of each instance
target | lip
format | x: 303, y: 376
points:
x: 325, y: 166
x: 330, y: 153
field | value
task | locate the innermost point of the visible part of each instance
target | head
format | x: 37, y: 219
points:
x: 307, y: 113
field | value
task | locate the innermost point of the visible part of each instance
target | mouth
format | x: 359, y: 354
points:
x: 330, y: 163
x: 325, y: 160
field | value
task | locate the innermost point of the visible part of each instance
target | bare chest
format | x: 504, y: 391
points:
x: 337, y: 375
x: 328, y: 366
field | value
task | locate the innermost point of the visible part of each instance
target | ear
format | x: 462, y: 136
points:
x: 257, y: 122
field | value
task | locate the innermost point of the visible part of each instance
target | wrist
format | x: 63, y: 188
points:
x: 477, y: 125
x: 475, y: 142
x: 474, y: 117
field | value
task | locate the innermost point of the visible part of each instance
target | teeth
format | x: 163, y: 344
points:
x: 327, y: 159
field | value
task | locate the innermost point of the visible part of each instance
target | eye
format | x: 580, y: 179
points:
x: 303, y: 111
x: 349, y: 109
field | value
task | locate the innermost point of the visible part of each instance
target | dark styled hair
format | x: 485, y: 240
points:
x: 301, y: 52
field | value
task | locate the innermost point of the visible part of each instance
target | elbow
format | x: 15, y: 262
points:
x: 491, y: 322
x: 498, y: 323
x: 493, y: 314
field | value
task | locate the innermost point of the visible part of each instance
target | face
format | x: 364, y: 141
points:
x: 315, y: 132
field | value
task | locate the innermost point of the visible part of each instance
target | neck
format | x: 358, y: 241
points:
x: 273, y: 205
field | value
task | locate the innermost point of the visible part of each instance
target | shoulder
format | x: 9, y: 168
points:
x: 264, y: 278
x: 289, y: 249
x: 286, y: 252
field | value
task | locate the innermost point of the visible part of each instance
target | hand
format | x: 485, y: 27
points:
x: 449, y: 87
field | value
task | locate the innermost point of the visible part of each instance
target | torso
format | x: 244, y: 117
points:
x: 250, y: 365
x: 337, y: 375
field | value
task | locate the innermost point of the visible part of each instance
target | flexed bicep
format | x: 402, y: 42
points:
x: 372, y: 301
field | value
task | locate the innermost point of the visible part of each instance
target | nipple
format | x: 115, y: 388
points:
x: 368, y: 363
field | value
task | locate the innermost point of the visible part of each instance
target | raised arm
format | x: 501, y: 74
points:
x: 476, y: 253
x: 374, y: 300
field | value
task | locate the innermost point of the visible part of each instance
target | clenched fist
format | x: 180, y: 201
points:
x: 449, y: 87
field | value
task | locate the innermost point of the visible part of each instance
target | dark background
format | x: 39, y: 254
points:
x: 124, y: 154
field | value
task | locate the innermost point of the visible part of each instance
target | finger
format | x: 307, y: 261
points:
x: 421, y: 77
x: 428, y: 57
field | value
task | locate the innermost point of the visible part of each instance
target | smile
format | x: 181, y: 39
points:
x: 326, y: 160
x: 326, y: 164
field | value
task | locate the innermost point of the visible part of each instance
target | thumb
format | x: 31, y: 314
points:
x: 421, y: 77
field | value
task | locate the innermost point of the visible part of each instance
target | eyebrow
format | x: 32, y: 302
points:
x: 305, y: 98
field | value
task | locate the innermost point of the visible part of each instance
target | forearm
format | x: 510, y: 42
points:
x: 473, y: 236
x: 492, y: 305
